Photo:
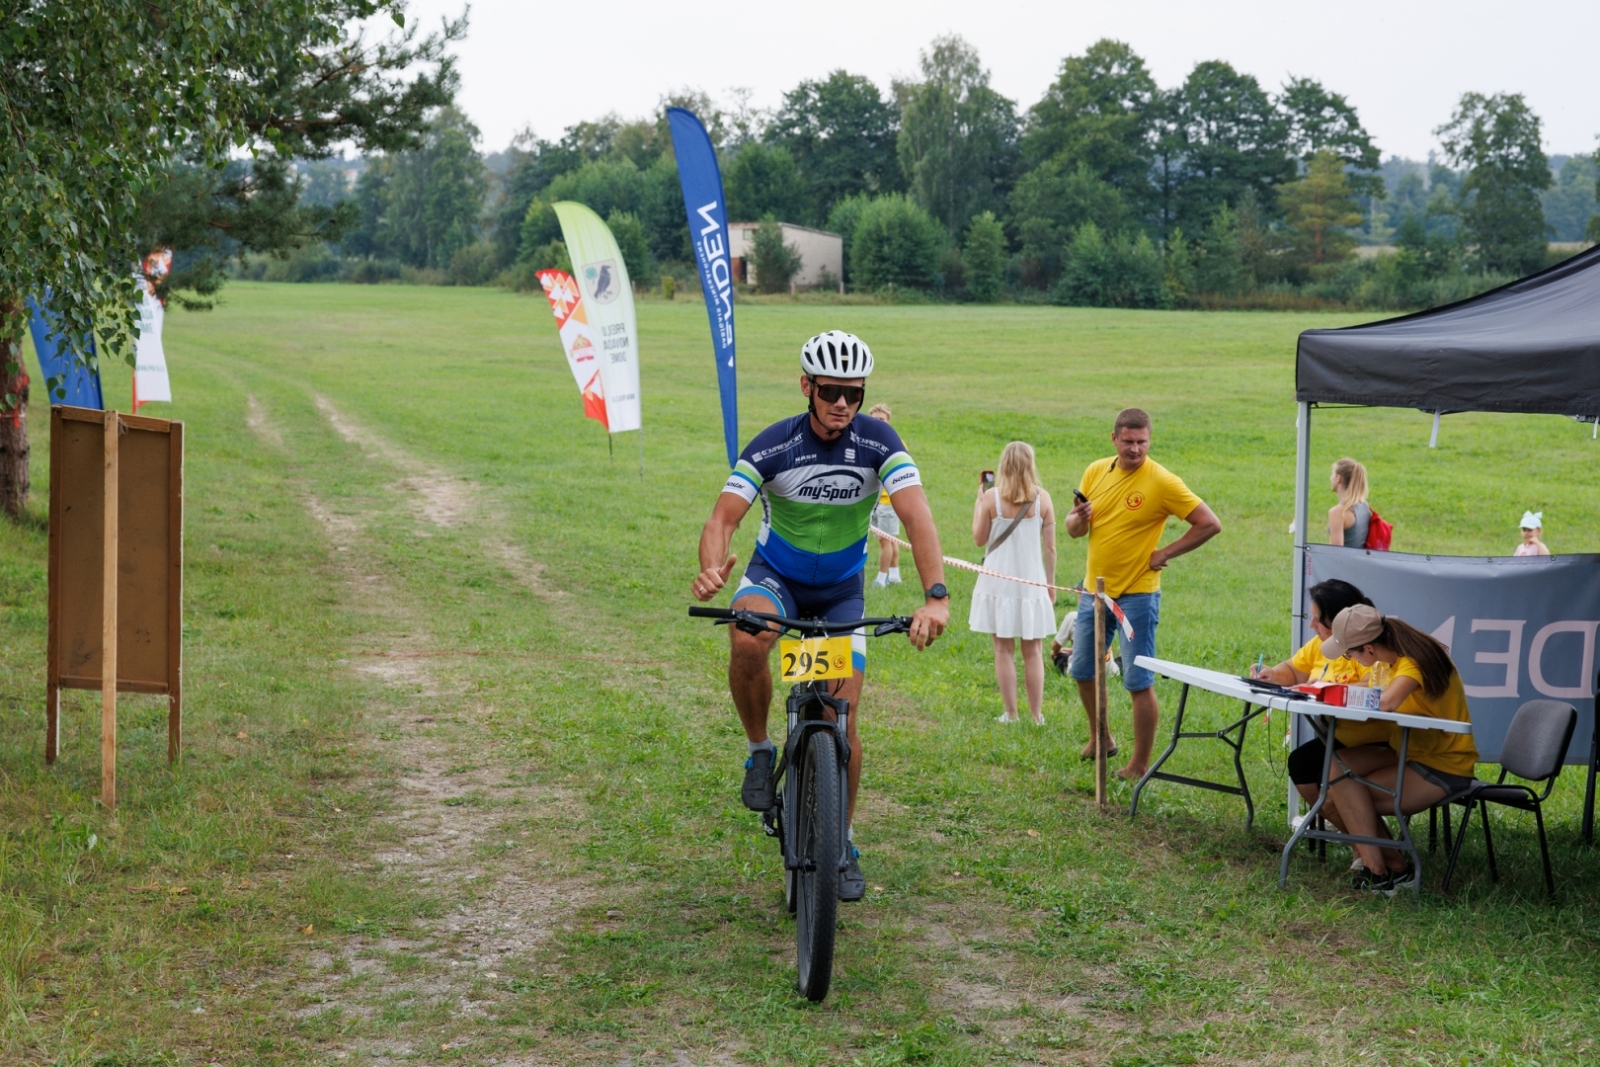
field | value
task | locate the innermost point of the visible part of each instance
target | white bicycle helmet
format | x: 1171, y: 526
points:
x: 836, y: 354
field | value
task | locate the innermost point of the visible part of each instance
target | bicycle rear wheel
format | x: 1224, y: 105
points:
x: 817, y: 880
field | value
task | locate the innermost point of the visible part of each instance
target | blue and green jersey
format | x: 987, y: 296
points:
x: 817, y: 496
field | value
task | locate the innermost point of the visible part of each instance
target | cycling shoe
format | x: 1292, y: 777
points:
x: 852, y: 883
x: 757, y: 791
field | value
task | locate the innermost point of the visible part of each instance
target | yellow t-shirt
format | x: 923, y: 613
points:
x: 1319, y: 668
x: 1450, y: 753
x: 1130, y: 511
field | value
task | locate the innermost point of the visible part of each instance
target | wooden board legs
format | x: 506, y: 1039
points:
x: 108, y: 627
x: 52, y: 723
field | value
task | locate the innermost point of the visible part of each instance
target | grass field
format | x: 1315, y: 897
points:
x: 460, y: 784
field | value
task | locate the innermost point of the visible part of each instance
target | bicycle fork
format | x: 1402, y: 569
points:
x: 805, y: 707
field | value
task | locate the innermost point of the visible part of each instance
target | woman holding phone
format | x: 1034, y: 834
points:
x: 1015, y: 521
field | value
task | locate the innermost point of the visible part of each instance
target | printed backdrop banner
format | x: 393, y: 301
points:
x: 72, y: 379
x: 708, y: 229
x: 566, y: 304
x: 1518, y: 628
x: 608, y: 303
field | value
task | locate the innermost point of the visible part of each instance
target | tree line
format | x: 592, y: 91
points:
x: 1110, y: 190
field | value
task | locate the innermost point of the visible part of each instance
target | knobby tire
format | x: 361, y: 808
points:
x: 817, y: 880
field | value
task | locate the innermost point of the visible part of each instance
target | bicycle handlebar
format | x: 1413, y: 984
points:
x: 819, y: 627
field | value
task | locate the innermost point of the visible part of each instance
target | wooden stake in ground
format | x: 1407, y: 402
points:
x: 108, y: 620
x: 1099, y: 693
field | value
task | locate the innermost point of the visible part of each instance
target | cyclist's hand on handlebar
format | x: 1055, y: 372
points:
x: 928, y: 622
x: 711, y: 580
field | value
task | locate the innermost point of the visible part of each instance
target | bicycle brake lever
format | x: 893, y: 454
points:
x: 899, y: 626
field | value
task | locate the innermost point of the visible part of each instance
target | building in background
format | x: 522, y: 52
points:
x: 821, y: 254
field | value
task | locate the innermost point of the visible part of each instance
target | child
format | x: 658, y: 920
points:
x: 884, y: 518
x: 1532, y: 527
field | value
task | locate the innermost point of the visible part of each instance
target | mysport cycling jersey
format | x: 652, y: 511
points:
x: 817, y: 496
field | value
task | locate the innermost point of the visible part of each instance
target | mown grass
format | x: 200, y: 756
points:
x: 1008, y: 921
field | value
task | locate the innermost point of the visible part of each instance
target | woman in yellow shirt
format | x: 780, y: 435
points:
x: 1309, y: 664
x: 1423, y: 682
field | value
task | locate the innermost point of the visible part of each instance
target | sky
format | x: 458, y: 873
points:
x: 1403, y: 64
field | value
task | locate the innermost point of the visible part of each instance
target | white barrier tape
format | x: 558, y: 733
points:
x: 1116, y: 610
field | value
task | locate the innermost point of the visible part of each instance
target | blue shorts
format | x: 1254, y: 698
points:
x: 1144, y: 613
x: 843, y: 601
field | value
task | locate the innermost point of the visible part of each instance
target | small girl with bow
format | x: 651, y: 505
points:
x: 1532, y: 527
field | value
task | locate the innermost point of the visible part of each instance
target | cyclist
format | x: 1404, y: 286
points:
x: 818, y: 475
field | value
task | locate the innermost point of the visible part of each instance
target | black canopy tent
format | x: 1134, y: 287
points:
x: 1530, y: 347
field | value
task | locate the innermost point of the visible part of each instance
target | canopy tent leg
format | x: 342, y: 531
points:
x: 1302, y: 522
x: 1433, y: 441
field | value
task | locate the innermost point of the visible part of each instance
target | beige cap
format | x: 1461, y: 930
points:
x: 1353, y: 627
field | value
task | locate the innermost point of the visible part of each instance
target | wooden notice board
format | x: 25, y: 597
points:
x: 116, y: 496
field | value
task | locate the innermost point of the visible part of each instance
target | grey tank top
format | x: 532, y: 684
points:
x: 1356, y: 535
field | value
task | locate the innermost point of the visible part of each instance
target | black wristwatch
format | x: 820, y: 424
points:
x: 938, y: 592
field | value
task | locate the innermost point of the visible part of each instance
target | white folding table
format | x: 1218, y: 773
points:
x: 1255, y: 702
x: 1324, y: 719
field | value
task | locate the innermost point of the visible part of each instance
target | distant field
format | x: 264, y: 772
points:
x: 431, y: 599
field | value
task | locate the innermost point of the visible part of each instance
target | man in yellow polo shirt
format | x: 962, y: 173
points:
x: 1124, y: 505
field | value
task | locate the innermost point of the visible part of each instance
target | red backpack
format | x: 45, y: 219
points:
x: 1379, y: 533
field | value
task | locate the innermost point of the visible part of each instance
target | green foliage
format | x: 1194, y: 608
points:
x: 957, y: 135
x: 473, y: 264
x: 1177, y: 262
x: 896, y: 243
x: 1230, y: 140
x: 1221, y: 266
x: 1570, y: 203
x: 1100, y: 115
x: 843, y: 220
x: 762, y: 180
x: 324, y: 84
x: 1497, y: 138
x: 1320, y: 122
x: 1051, y: 201
x: 1318, y: 208
x: 1119, y: 271
x: 434, y: 195
x: 842, y: 135
x: 775, y: 263
x: 633, y: 245
x: 984, y: 257
x: 615, y: 184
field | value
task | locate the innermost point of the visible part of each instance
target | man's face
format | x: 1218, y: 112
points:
x: 1132, y: 446
x: 837, y: 413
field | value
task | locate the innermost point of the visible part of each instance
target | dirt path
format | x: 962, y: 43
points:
x: 499, y: 908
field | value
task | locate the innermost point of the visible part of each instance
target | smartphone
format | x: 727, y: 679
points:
x: 987, y: 478
x: 1079, y: 497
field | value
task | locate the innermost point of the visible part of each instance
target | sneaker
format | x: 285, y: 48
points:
x: 1386, y: 883
x: 852, y: 883
x: 881, y: 580
x: 895, y: 579
x: 757, y: 791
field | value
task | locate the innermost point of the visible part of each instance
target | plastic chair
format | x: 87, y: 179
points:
x: 1536, y: 744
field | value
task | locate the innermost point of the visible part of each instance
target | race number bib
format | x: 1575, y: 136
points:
x: 814, y: 657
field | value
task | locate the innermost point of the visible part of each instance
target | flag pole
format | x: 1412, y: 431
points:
x: 641, y: 451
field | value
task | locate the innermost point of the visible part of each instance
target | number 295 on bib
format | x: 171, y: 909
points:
x: 814, y: 657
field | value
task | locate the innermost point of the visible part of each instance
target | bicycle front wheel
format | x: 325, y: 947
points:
x: 817, y: 880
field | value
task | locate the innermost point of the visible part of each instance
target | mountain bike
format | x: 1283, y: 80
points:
x: 810, y: 816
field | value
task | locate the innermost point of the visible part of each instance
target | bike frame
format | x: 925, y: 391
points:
x: 806, y: 709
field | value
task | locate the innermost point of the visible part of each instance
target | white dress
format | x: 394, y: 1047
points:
x: 1012, y: 609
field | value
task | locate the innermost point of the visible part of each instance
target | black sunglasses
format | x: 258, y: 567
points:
x: 830, y: 394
